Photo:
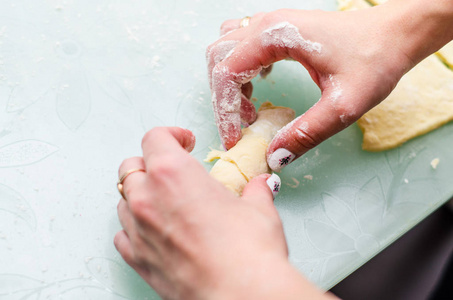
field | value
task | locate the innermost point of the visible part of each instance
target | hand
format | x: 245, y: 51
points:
x: 356, y: 58
x: 191, y: 238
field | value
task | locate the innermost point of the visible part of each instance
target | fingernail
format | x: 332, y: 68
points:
x: 274, y: 184
x: 280, y: 159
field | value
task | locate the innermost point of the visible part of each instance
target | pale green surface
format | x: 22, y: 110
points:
x: 80, y: 83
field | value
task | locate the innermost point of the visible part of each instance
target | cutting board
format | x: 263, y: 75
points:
x: 81, y: 82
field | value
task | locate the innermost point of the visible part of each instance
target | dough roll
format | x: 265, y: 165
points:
x: 247, y: 159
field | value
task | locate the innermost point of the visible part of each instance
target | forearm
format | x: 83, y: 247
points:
x: 421, y: 27
x: 278, y: 280
x: 290, y: 284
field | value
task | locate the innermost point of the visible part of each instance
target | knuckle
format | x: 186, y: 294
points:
x: 154, y: 134
x: 146, y: 214
x: 128, y: 163
x: 116, y: 240
x: 122, y: 165
x: 172, y: 169
x: 139, y: 257
x: 273, y: 17
x: 306, y: 140
x: 218, y: 69
x: 150, y: 135
x: 167, y: 165
x: 222, y: 74
x: 226, y: 26
x: 126, y: 254
x: 346, y: 112
x: 128, y: 257
x: 129, y: 192
x: 219, y: 52
x: 209, y: 51
x: 140, y: 208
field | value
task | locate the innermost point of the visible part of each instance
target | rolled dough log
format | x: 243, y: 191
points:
x: 422, y: 101
x: 247, y: 159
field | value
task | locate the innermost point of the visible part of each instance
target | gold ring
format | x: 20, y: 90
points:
x: 123, y: 177
x: 245, y: 21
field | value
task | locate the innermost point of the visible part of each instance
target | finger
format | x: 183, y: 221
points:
x: 123, y: 245
x: 125, y: 218
x: 140, y: 203
x: 215, y: 55
x: 223, y: 47
x: 228, y: 77
x: 217, y: 52
x: 130, y: 164
x: 233, y: 24
x: 261, y: 191
x: 229, y: 25
x: 135, y: 182
x: 165, y: 140
x: 334, y: 112
x: 248, y: 111
x: 136, y: 225
x: 140, y: 234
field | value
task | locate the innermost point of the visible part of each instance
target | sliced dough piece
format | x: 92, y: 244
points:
x: 422, y: 101
x: 247, y: 159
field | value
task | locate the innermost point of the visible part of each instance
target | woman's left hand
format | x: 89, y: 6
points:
x: 191, y: 238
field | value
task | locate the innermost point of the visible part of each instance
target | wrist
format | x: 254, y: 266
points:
x: 275, y: 280
x: 420, y: 27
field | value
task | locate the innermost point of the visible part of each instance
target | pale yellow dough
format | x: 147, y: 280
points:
x: 352, y: 4
x: 422, y: 100
x: 247, y: 159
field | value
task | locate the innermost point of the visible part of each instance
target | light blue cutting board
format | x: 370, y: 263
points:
x: 82, y: 81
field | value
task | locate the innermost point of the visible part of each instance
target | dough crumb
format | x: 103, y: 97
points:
x: 295, y: 185
x: 434, y: 163
x: 309, y: 177
x: 406, y: 180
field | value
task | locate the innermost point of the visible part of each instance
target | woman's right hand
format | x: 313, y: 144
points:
x: 355, y: 57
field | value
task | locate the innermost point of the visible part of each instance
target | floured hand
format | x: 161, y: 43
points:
x: 189, y: 238
x: 355, y: 66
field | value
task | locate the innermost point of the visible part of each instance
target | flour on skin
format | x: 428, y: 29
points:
x: 287, y: 35
x: 226, y: 97
x: 218, y: 53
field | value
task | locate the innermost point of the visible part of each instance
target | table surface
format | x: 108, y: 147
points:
x: 82, y: 81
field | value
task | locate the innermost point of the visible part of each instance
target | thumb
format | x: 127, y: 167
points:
x: 262, y: 190
x: 324, y: 119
